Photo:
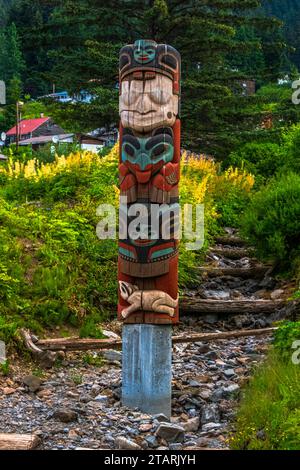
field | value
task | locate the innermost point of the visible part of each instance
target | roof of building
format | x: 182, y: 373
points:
x: 90, y: 139
x: 2, y: 157
x: 27, y: 126
x: 44, y: 139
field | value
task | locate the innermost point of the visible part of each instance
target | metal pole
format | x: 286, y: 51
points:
x: 147, y: 368
x: 17, y: 127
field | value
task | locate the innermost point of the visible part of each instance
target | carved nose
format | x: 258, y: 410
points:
x: 143, y: 161
x: 144, y: 104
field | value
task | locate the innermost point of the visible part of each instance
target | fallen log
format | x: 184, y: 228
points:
x: 46, y: 358
x: 232, y: 253
x: 28, y: 341
x: 78, y: 344
x: 230, y: 241
x: 222, y: 335
x: 204, y: 306
x: 255, y: 272
x: 19, y: 441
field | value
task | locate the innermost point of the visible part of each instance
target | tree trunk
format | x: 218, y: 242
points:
x: 255, y: 272
x: 204, y: 306
x: 222, y: 335
x: 78, y: 344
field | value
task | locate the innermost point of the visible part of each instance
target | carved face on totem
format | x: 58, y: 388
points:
x: 144, y: 51
x: 145, y: 105
x: 146, y: 155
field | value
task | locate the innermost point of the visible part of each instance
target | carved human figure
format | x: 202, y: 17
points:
x: 148, y: 104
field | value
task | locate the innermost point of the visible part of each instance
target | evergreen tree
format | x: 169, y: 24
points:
x: 11, y: 60
x: 90, y: 33
x: 289, y: 12
x: 75, y: 44
x: 14, y: 64
x: 30, y: 18
x: 4, y: 9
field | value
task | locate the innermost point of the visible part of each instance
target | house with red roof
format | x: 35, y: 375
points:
x: 30, y: 128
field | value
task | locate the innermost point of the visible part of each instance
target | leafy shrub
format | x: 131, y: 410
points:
x: 272, y: 220
x: 24, y: 154
x: 262, y: 159
x: 225, y: 194
x: 285, y: 337
x: 232, y: 190
x: 91, y: 329
x: 291, y: 148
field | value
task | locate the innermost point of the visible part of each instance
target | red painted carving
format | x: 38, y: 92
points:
x: 149, y: 173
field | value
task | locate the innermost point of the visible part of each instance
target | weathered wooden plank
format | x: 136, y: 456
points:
x: 78, y: 344
x: 229, y: 306
x: 18, y: 441
x: 222, y: 335
x: 255, y: 272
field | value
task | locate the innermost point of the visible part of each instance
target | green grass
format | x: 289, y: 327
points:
x: 54, y: 271
x: 269, y: 416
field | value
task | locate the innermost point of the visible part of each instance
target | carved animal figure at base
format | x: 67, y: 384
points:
x: 148, y: 301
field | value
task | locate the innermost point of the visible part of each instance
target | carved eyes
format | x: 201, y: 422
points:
x: 160, y: 150
x: 130, y: 98
x: 156, y: 96
x: 153, y: 150
x: 160, y: 96
x: 129, y: 150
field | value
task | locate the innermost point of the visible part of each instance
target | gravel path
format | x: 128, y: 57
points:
x: 77, y: 405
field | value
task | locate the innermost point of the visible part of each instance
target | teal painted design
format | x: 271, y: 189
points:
x: 144, y: 51
x: 165, y: 252
x: 144, y: 151
x: 127, y: 253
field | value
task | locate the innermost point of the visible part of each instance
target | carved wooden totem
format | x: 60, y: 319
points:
x: 149, y: 177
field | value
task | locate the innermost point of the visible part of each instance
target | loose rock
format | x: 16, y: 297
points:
x: 32, y: 382
x: 126, y: 444
x: 64, y: 415
x: 170, y: 432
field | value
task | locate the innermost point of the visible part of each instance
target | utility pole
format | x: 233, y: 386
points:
x: 17, y: 127
x: 19, y: 104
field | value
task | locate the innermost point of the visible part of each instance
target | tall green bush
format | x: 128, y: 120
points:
x: 262, y: 159
x: 272, y: 219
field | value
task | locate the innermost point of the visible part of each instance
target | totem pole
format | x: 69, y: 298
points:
x: 148, y: 250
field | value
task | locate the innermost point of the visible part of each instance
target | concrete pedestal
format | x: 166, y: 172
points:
x: 147, y: 368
